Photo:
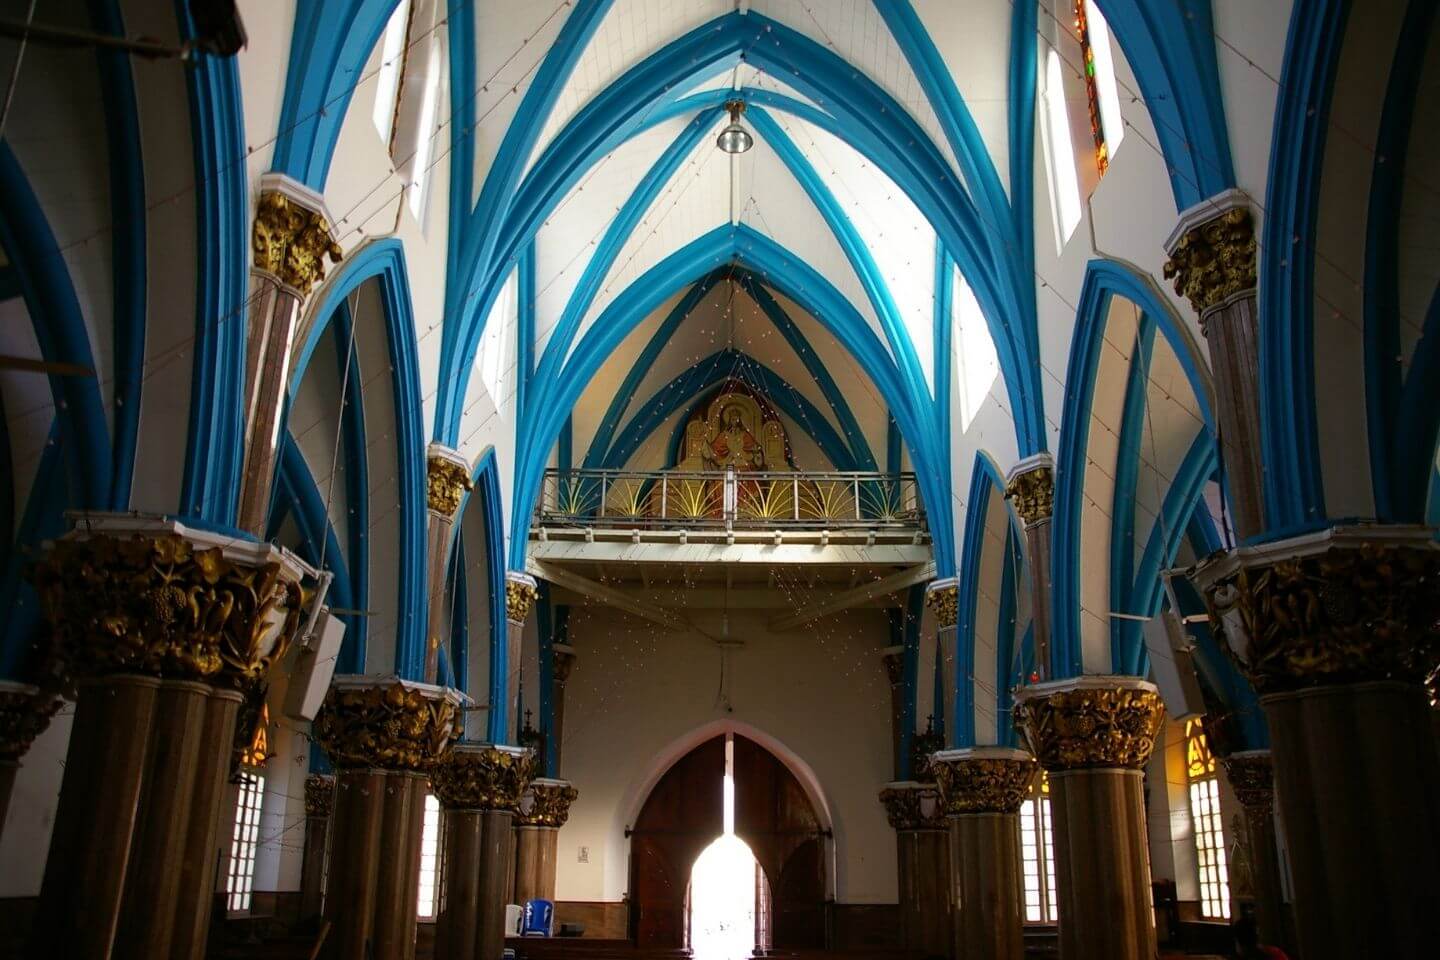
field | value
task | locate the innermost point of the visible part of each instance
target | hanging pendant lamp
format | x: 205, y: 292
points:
x: 735, y: 138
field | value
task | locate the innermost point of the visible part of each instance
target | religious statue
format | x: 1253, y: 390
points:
x: 733, y: 445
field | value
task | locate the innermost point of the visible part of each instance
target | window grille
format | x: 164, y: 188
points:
x: 1209, y: 824
x: 1037, y: 850
x: 244, y: 839
x: 429, y: 860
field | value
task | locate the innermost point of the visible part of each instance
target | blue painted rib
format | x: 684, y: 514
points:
x: 1419, y: 420
x: 1006, y: 676
x: 43, y: 519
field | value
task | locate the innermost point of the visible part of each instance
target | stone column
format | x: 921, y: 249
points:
x: 1252, y: 780
x: 25, y: 712
x: 1212, y: 261
x: 923, y: 862
x: 383, y: 737
x: 1337, y: 632
x: 543, y: 811
x: 1030, y: 487
x: 520, y: 595
x: 289, y: 240
x: 943, y: 599
x: 1093, y: 735
x: 562, y: 663
x: 479, y: 786
x: 319, y: 802
x: 448, y: 478
x: 894, y: 660
x: 981, y: 791
x: 164, y: 630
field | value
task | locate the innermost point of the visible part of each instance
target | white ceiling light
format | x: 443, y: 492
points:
x: 735, y: 138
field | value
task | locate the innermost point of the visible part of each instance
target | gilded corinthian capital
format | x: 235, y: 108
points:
x: 387, y: 724
x: 291, y: 241
x: 483, y: 776
x: 983, y: 779
x: 447, y: 481
x: 1031, y: 489
x: 913, y: 806
x: 25, y: 712
x: 520, y: 595
x: 547, y: 803
x: 1251, y: 777
x: 152, y: 597
x: 1091, y: 722
x: 319, y: 795
x: 1212, y: 252
x: 942, y: 597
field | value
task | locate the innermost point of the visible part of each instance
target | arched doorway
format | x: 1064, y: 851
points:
x: 774, y: 817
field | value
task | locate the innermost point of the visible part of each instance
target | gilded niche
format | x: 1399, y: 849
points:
x: 984, y: 784
x: 388, y: 726
x: 1033, y: 494
x: 1347, y: 615
x: 319, y: 795
x: 1215, y: 260
x: 159, y: 605
x: 943, y: 599
x: 25, y: 712
x: 487, y: 778
x: 547, y: 805
x: 447, y: 481
x: 291, y: 241
x: 520, y: 597
x: 1089, y: 727
x: 915, y: 807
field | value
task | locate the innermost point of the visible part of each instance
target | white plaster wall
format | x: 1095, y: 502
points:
x: 25, y: 834
x: 636, y: 689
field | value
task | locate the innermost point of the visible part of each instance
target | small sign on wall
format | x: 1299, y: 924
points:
x: 583, y: 856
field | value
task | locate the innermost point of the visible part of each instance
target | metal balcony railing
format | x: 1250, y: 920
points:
x: 730, y: 500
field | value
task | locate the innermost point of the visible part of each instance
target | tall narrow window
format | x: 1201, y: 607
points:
x: 1037, y: 850
x: 1209, y: 824
x: 1064, y: 183
x: 1106, y: 125
x: 428, y: 899
x: 392, y: 70
x: 244, y: 838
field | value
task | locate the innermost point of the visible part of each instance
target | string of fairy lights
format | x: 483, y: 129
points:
x: 792, y: 583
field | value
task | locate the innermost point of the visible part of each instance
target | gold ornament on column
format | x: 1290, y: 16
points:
x: 913, y: 807
x: 1088, y: 727
x: 447, y: 481
x: 319, y: 795
x: 943, y: 601
x: 1251, y: 778
x: 291, y: 241
x: 549, y: 804
x: 394, y: 726
x: 520, y: 597
x: 1033, y: 494
x: 1215, y: 260
x: 483, y: 777
x: 159, y: 605
x: 984, y: 784
x: 25, y: 712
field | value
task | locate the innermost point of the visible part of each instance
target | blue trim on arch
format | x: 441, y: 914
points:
x: 459, y: 615
x: 60, y: 332
x: 1419, y: 421
x: 1024, y: 74
x: 128, y: 266
x: 485, y: 481
x: 942, y: 333
x: 792, y: 277
x: 1289, y: 438
x: 524, y: 323
x: 384, y: 261
x: 357, y: 466
x: 1005, y: 677
x: 210, y: 487
x: 43, y: 519
x: 1127, y: 476
x: 1398, y: 487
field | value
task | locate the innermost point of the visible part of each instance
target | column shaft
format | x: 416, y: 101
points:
x: 1265, y: 870
x: 355, y: 862
x: 1359, y: 784
x: 1037, y: 546
x: 274, y: 313
x: 457, y: 923
x: 312, y: 868
x: 1231, y: 330
x: 989, y: 891
x: 564, y: 662
x: 437, y: 545
x: 401, y: 829
x: 1102, y: 871
x: 535, y: 852
x: 923, y: 858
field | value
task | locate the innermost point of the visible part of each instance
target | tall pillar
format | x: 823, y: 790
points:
x: 290, y: 240
x: 25, y: 712
x: 520, y: 595
x: 480, y: 786
x: 981, y: 791
x: 894, y: 660
x: 543, y: 811
x: 923, y: 860
x: 383, y: 737
x: 1212, y: 261
x: 1336, y: 631
x: 1251, y: 778
x: 1093, y: 735
x: 943, y: 599
x: 165, y: 631
x: 562, y: 663
x: 447, y: 479
x: 1030, y: 487
x: 319, y: 803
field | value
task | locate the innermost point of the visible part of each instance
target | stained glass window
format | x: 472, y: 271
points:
x: 1209, y: 824
x: 1037, y: 850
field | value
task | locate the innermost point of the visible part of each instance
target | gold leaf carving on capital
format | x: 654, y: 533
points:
x: 488, y: 779
x: 447, y: 482
x: 1215, y: 260
x: 291, y: 241
x: 944, y: 603
x: 519, y: 599
x: 548, y: 805
x: 24, y: 715
x: 1094, y: 727
x: 157, y: 605
x: 1252, y: 779
x: 319, y: 795
x: 905, y: 807
x: 386, y: 726
x: 1033, y: 494
x: 984, y: 784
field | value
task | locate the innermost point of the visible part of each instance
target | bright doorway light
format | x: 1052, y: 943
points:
x: 722, y: 897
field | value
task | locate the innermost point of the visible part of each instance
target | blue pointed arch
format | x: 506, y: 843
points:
x: 384, y: 262
x: 1104, y: 280
x: 485, y: 484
